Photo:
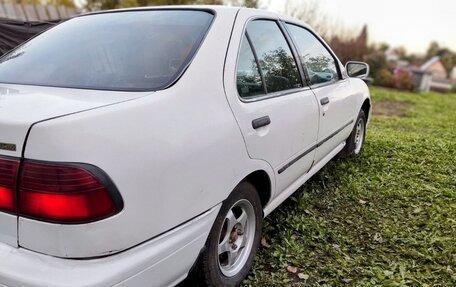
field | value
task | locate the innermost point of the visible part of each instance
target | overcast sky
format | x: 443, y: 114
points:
x: 409, y: 23
x: 412, y: 24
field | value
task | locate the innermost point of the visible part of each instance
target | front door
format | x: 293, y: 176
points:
x: 334, y: 94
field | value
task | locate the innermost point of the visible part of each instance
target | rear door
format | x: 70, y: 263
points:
x: 334, y: 93
x: 276, y: 111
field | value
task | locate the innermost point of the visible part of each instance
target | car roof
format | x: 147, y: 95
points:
x: 218, y: 9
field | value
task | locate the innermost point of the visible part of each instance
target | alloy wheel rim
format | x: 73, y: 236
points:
x: 236, y: 238
x: 359, y: 136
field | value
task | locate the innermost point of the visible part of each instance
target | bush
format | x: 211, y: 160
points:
x: 384, y: 78
x: 377, y: 62
x: 403, y: 80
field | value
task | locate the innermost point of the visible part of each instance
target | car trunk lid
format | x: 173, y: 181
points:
x: 22, y: 106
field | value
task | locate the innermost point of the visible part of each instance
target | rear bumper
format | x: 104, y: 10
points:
x: 163, y: 261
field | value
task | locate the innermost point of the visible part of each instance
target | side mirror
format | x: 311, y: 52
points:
x: 357, y: 69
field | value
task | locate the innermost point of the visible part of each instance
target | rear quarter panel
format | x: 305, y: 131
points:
x: 173, y: 155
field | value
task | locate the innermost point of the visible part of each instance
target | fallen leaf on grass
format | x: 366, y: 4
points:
x: 303, y: 276
x: 388, y: 273
x: 378, y: 238
x: 362, y: 201
x: 417, y: 210
x: 292, y: 269
x: 265, y: 243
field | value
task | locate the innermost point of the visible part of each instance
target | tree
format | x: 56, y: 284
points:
x: 318, y: 63
x: 384, y: 47
x: 433, y: 49
x: 67, y: 3
x: 278, y: 64
x: 93, y: 5
x: 251, y: 3
x: 448, y: 59
x: 310, y: 13
x: 245, y: 3
x: 401, y: 52
x: 128, y: 4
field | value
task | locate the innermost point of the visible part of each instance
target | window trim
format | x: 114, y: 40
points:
x: 263, y: 97
x: 294, y: 50
x: 255, y: 56
x: 304, y: 82
x: 327, y: 48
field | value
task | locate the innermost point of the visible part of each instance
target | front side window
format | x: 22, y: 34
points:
x: 320, y: 64
x: 132, y: 51
x: 275, y: 58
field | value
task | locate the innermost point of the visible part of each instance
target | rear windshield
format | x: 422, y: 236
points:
x: 126, y: 51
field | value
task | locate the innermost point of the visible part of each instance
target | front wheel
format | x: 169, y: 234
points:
x: 355, y: 142
x: 233, y: 240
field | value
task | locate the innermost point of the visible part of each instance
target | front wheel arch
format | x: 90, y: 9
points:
x: 366, y: 107
x: 350, y: 144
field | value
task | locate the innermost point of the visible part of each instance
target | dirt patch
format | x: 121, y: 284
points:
x: 390, y: 109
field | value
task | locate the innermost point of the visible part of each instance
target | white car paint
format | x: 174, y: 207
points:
x: 174, y: 155
x: 339, y: 113
x: 162, y: 261
x: 22, y: 106
x: 294, y: 118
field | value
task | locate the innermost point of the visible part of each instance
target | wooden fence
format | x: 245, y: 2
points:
x: 28, y: 12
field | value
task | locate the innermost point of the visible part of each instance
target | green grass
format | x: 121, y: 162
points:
x: 387, y: 218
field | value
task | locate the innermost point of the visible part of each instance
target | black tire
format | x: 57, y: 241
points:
x: 208, y: 272
x: 350, y: 148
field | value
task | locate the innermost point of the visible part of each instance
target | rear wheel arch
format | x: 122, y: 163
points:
x: 262, y: 183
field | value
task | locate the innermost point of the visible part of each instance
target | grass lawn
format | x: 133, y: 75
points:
x: 387, y: 218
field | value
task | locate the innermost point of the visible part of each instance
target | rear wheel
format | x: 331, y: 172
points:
x: 233, y: 240
x: 355, y: 142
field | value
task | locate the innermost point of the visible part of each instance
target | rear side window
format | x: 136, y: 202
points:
x: 249, y: 81
x: 319, y: 63
x: 274, y: 58
x: 132, y: 51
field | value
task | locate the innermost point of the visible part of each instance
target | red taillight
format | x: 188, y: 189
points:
x: 60, y: 193
x: 8, y: 181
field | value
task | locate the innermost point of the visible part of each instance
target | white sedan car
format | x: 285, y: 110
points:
x: 140, y: 146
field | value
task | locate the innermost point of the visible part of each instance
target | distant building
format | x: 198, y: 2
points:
x: 453, y: 74
x: 432, y: 75
x: 394, y: 59
x: 435, y: 67
x: 391, y: 55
